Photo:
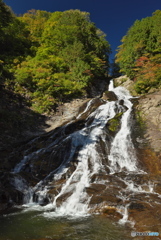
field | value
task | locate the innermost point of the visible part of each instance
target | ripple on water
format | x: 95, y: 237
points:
x: 32, y: 225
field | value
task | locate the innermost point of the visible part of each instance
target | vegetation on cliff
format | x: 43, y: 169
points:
x: 139, y: 56
x: 49, y: 58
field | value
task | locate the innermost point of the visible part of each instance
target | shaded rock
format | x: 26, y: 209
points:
x: 98, y: 176
x: 111, y: 211
x: 9, y: 197
x: 109, y: 196
x: 94, y: 104
x: 96, y: 200
x: 136, y: 206
x: 110, y: 96
x: 95, y: 188
x: 64, y: 113
x: 97, y: 88
x: 147, y: 217
x: 108, y: 211
x: 150, y: 110
x: 158, y: 188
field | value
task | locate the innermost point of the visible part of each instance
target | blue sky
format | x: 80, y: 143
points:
x: 113, y: 17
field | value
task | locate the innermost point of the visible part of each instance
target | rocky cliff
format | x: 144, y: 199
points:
x: 148, y: 112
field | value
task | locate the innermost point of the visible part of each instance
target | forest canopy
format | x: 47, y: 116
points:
x: 139, y: 55
x: 51, y: 57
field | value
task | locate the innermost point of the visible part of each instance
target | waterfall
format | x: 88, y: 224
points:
x: 77, y: 202
x: 91, y: 152
x: 122, y: 153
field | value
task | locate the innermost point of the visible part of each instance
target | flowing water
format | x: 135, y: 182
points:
x: 33, y: 226
x: 87, y: 168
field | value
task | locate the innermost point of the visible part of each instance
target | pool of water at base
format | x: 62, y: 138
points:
x: 34, y: 226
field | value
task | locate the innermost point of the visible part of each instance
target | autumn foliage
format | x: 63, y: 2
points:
x: 139, y: 56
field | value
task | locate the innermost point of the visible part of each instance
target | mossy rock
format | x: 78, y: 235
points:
x: 114, y: 123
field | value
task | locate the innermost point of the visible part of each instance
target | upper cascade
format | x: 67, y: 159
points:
x: 122, y: 153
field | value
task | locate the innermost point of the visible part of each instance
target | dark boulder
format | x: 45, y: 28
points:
x: 110, y: 96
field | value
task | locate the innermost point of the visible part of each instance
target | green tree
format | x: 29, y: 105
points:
x: 34, y: 22
x: 139, y: 54
x: 142, y: 38
x: 70, y: 52
x: 14, y: 42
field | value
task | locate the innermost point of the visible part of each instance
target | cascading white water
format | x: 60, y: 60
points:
x: 89, y: 160
x: 77, y: 202
x: 89, y: 166
x: 122, y: 153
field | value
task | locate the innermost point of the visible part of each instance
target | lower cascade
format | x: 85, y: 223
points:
x: 87, y: 166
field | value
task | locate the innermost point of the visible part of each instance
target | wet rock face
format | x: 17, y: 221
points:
x: 147, y: 218
x: 8, y: 195
x: 65, y: 113
x: 109, y: 194
x: 110, y: 96
x: 45, y: 153
x: 150, y: 110
x: 125, y: 82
